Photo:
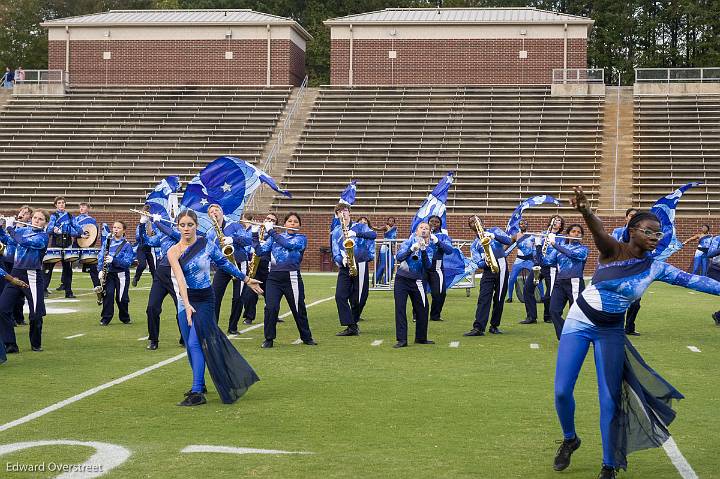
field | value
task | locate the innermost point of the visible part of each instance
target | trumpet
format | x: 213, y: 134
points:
x: 256, y: 223
x: 485, y: 243
x: 422, y: 242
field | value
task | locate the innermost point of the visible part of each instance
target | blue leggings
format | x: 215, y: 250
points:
x: 609, y: 350
x: 700, y: 264
x: 195, y: 353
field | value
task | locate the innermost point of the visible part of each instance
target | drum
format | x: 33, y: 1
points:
x: 52, y: 256
x: 90, y: 234
x: 71, y: 254
x: 89, y: 256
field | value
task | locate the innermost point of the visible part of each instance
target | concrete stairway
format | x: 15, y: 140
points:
x: 616, y: 174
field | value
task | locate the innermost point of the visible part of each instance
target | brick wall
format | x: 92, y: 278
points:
x: 181, y: 62
x: 468, y: 61
x: 315, y: 227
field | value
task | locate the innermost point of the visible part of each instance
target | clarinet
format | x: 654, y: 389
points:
x: 100, y: 290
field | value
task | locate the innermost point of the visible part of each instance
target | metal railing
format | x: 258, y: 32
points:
x: 280, y: 139
x: 677, y: 75
x: 578, y: 75
x: 41, y: 77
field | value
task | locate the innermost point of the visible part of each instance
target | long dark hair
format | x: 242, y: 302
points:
x: 187, y: 212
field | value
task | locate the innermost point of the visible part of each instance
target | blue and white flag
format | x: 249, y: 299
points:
x: 456, y: 267
x: 158, y: 200
x: 434, y: 204
x: 228, y: 182
x: 513, y: 226
x: 347, y: 197
x: 664, y: 209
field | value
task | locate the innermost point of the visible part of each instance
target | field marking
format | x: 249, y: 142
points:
x: 454, y: 344
x: 694, y: 349
x: 143, y: 338
x: 238, y: 450
x: 377, y: 342
x: 692, y: 292
x: 102, y: 387
x: 683, y: 467
x: 534, y: 346
x: 75, y: 336
x: 62, y: 300
x: 297, y: 341
x: 235, y: 336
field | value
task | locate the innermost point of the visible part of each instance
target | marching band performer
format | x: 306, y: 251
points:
x: 635, y: 402
x: 82, y: 219
x: 700, y: 260
x: 144, y: 253
x: 286, y: 253
x: 546, y: 258
x: 114, y: 263
x: 631, y: 314
x: 493, y: 285
x: 352, y: 287
x: 569, y: 282
x: 233, y: 235
x: 385, y: 263
x: 163, y: 238
x: 24, y: 215
x: 250, y: 297
x: 62, y: 230
x: 440, y: 245
x: 6, y: 277
x: 30, y: 246
x: 414, y: 261
x: 523, y: 259
x: 206, y: 344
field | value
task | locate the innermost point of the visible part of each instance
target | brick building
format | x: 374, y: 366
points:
x: 178, y: 47
x: 411, y: 46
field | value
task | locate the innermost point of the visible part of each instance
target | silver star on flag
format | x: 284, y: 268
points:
x: 226, y: 187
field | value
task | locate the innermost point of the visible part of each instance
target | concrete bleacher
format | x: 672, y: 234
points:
x: 504, y: 142
x: 111, y: 145
x: 677, y: 140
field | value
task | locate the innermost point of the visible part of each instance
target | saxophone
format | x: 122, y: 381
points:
x: 100, y: 290
x: 349, y: 245
x: 256, y: 257
x: 227, y: 251
x: 485, y: 242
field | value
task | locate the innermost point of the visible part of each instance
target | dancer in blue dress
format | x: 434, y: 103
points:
x: 635, y: 402
x: 190, y: 262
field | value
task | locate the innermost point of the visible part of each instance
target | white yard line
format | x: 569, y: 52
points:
x: 683, y: 467
x: 454, y: 344
x: 75, y: 336
x: 694, y: 349
x: 102, y: 387
x: 534, y: 346
x: 377, y: 342
x: 237, y: 450
x: 143, y: 338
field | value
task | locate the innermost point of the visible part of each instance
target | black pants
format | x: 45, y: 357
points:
x: 415, y: 289
x: 493, y: 289
x: 117, y: 286
x: 65, y: 278
x: 162, y: 286
x: 436, y: 278
x: 18, y: 313
x: 9, y: 299
x: 250, y: 297
x: 219, y: 285
x: 547, y: 275
x: 351, y: 294
x: 145, y: 259
x: 93, y: 271
x: 565, y: 291
x: 288, y: 284
x: 631, y: 315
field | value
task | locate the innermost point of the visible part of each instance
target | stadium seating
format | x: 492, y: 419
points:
x: 504, y: 142
x: 110, y: 145
x: 677, y: 140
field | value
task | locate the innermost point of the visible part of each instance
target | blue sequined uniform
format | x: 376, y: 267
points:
x: 69, y: 232
x: 569, y: 283
x: 493, y: 286
x: 411, y: 281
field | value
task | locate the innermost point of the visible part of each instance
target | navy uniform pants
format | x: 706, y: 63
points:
x: 250, y: 297
x: 219, y: 285
x: 287, y: 284
x: 566, y: 290
x: 117, y: 286
x: 9, y: 299
x: 351, y: 293
x: 415, y: 289
x: 162, y: 286
x: 145, y: 259
x: 493, y: 289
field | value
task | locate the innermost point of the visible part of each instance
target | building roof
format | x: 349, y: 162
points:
x: 445, y: 16
x: 227, y: 17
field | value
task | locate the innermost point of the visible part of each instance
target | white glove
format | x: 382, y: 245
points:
x: 254, y: 229
x: 57, y: 230
x: 227, y: 241
x: 9, y: 222
x: 351, y: 234
x: 434, y: 239
x: 108, y: 259
x: 143, y: 219
x: 491, y: 235
x: 101, y: 275
x: 415, y: 247
x: 551, y: 237
x: 537, y: 239
x: 156, y: 217
x: 269, y: 225
x: 344, y: 258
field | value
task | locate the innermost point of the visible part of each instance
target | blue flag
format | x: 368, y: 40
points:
x: 664, y: 209
x: 158, y: 199
x: 456, y: 267
x: 434, y: 204
x: 513, y: 226
x: 347, y: 197
x: 228, y: 182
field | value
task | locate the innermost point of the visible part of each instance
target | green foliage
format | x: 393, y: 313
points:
x: 626, y: 35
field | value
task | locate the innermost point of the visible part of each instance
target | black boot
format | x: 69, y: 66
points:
x: 567, y: 447
x: 607, y: 472
x: 194, y: 399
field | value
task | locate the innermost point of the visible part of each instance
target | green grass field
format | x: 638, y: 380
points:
x: 483, y: 409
